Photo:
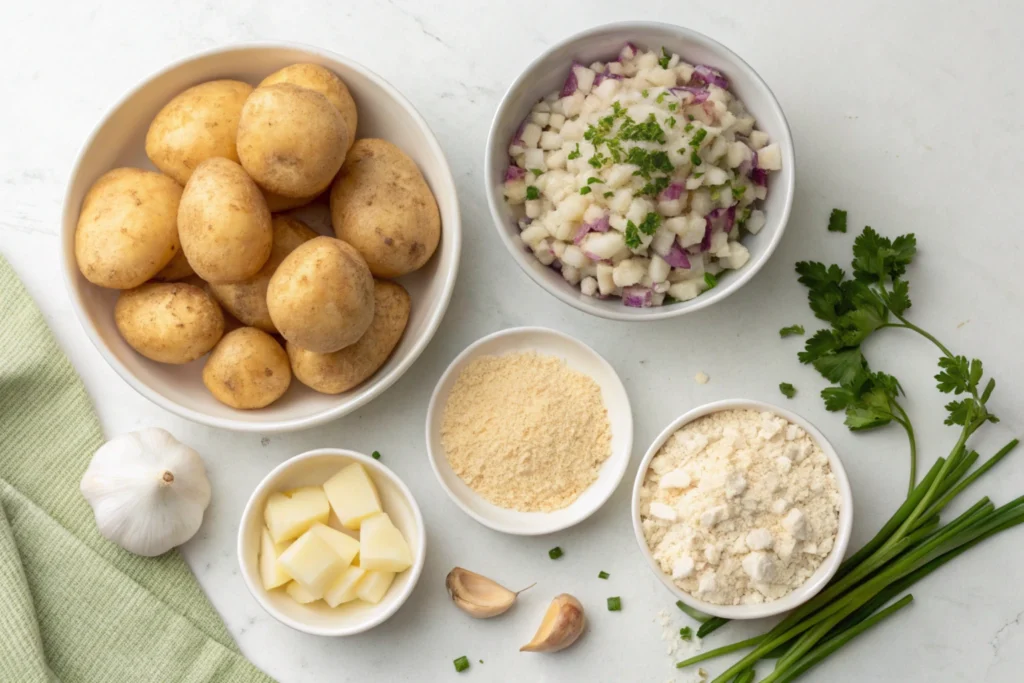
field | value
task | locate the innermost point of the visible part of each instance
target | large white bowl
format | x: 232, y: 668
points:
x: 118, y: 140
x: 313, y: 468
x: 547, y: 73
x: 825, y: 571
x: 578, y: 356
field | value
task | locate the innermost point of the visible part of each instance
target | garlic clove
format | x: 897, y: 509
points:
x: 562, y: 625
x: 478, y: 596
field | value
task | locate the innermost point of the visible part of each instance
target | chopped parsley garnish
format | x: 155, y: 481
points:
x: 632, y: 236
x: 555, y: 553
x: 649, y: 162
x: 591, y: 180
x: 660, y: 98
x: 651, y: 223
x: 375, y: 455
x: 710, y: 280
x: 687, y: 128
x: 655, y: 186
x: 791, y: 330
x: 603, y: 575
x: 461, y: 664
x: 698, y: 138
x: 670, y: 122
x: 672, y: 106
x: 686, y: 633
x: 575, y: 154
x: 666, y: 57
x: 536, y: 171
x: 532, y: 192
x: 598, y: 160
x: 689, y: 117
x: 738, y: 192
x: 716, y: 192
x: 787, y: 389
x: 699, y: 174
x: 645, y: 93
x: 648, y: 131
x: 614, y: 604
x: 695, y: 159
x: 743, y: 216
x: 837, y: 221
x: 609, y: 193
x: 586, y: 189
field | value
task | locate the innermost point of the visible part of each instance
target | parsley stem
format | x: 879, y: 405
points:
x: 905, y: 421
x: 911, y: 326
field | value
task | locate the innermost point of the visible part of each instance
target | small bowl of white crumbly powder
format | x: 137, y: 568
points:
x: 742, y: 509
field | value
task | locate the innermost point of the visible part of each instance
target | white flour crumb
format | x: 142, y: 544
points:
x: 754, y: 502
x: 701, y: 378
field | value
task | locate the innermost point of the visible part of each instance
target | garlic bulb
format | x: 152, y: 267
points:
x: 147, y: 490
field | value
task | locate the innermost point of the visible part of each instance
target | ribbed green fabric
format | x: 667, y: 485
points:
x: 73, y: 606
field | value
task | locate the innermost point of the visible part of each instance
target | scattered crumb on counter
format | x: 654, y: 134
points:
x: 701, y: 378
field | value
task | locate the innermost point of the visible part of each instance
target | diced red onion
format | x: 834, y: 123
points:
x: 637, y: 297
x: 513, y: 172
x: 605, y: 75
x: 594, y: 257
x: 748, y: 165
x: 673, y: 191
x: 699, y: 94
x: 556, y: 266
x: 759, y: 176
x: 708, y: 75
x: 628, y: 51
x: 517, y: 139
x: 676, y: 257
x: 570, y: 85
x: 705, y: 243
x: 600, y: 225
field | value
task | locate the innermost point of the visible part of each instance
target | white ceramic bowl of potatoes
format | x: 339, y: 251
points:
x: 331, y: 542
x: 261, y: 237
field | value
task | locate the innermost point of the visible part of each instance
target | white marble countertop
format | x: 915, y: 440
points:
x: 906, y: 113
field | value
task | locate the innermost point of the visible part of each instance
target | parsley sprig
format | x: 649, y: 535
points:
x: 877, y: 297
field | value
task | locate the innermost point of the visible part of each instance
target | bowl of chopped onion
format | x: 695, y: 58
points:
x: 640, y: 171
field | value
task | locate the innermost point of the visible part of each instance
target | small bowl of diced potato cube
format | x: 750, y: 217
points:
x: 331, y: 542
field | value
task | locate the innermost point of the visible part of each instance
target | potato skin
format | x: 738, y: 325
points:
x: 247, y: 300
x: 321, y: 296
x: 177, y: 269
x: 291, y: 140
x: 127, y: 230
x: 169, y: 322
x: 248, y: 369
x: 278, y: 202
x: 333, y: 373
x: 382, y: 206
x: 224, y: 223
x: 325, y: 82
x: 198, y: 124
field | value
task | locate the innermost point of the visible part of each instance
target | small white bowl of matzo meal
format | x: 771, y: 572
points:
x: 742, y: 509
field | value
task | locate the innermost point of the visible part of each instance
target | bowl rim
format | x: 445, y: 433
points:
x: 568, y: 294
x: 451, y: 232
x: 375, y: 619
x: 435, y: 457
x: 809, y: 588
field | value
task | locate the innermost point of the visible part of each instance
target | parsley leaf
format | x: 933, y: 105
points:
x: 632, y: 235
x: 586, y: 189
x: 787, y: 389
x: 536, y: 171
x: 666, y: 57
x: 791, y: 330
x: 575, y: 154
x: 899, y: 297
x: 710, y: 280
x: 532, y: 192
x: 837, y: 221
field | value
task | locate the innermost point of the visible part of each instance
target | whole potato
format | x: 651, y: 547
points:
x: 291, y: 140
x: 333, y: 373
x: 247, y: 300
x: 321, y: 296
x: 169, y: 322
x: 199, y: 124
x: 278, y: 202
x: 176, y: 269
x: 127, y: 230
x: 248, y: 369
x: 224, y: 223
x: 325, y: 82
x: 381, y: 205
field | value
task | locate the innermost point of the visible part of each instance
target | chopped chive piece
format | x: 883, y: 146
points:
x: 710, y: 280
x: 375, y: 455
x: 586, y: 189
x: 837, y: 221
x: 555, y: 553
x: 591, y: 180
x: 536, y: 171
x: 532, y: 192
x: 694, y: 159
x: 686, y: 633
x: 791, y: 330
x: 602, y: 575
x: 609, y: 194
x: 461, y: 664
x: 787, y: 389
x: 614, y: 604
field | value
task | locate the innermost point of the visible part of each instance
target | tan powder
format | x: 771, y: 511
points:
x: 525, y: 431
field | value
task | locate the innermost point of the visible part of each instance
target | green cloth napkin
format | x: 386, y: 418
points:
x: 73, y: 606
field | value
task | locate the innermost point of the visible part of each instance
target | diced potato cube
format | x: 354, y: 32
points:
x: 374, y: 586
x: 299, y: 594
x: 755, y: 222
x: 758, y: 139
x: 343, y: 588
x: 382, y: 546
x: 531, y: 135
x: 352, y: 495
x: 684, y: 291
x: 312, y: 562
x: 605, y: 278
x: 737, y: 258
x: 550, y: 140
x: 289, y: 515
x: 770, y: 157
x: 556, y: 121
x: 343, y: 545
x: 271, y: 573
